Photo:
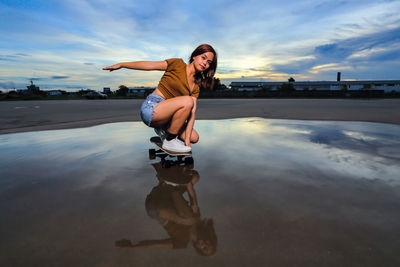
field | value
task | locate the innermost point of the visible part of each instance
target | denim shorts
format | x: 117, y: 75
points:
x: 147, y: 109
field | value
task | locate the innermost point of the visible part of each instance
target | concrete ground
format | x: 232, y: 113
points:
x: 22, y: 116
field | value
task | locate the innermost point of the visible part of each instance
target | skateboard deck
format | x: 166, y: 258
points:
x: 157, y: 141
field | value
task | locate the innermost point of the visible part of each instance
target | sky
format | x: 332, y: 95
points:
x: 64, y: 44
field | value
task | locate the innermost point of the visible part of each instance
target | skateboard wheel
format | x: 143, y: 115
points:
x: 188, y: 161
x: 166, y: 164
x: 152, y: 153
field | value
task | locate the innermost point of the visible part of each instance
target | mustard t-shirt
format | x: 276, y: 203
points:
x: 174, y: 81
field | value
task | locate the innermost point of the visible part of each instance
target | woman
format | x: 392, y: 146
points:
x: 171, y: 108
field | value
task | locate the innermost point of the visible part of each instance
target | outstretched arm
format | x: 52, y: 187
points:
x: 139, y: 65
x: 165, y: 243
x: 125, y: 243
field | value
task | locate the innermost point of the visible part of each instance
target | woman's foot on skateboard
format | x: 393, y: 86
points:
x: 175, y: 145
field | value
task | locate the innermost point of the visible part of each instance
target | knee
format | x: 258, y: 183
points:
x: 195, y: 138
x: 187, y: 102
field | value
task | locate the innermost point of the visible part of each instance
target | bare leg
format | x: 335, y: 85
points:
x: 194, y: 137
x: 181, y: 206
x: 174, y: 111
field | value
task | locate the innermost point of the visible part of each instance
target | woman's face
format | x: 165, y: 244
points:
x: 205, y: 247
x: 203, y: 61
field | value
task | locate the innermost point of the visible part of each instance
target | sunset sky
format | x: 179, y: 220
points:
x: 64, y: 44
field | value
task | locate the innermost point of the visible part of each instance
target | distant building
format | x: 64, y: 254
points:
x: 386, y: 85
x: 54, y: 92
x: 140, y: 91
x: 32, y: 89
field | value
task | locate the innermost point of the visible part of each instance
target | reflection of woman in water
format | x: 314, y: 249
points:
x: 171, y: 108
x: 179, y: 217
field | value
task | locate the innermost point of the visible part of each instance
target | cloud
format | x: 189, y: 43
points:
x: 7, y: 58
x: 8, y: 85
x: 357, y: 56
x: 13, y: 57
x: 332, y: 51
x: 256, y: 39
x: 22, y: 55
x: 362, y: 46
x: 59, y: 77
x: 329, y: 67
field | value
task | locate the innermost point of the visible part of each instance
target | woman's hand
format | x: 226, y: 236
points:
x: 196, y: 210
x: 124, y: 243
x: 113, y: 67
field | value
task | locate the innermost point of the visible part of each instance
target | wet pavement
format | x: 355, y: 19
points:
x: 260, y: 192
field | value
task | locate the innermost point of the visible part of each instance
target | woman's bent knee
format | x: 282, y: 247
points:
x: 187, y: 102
x: 194, y: 138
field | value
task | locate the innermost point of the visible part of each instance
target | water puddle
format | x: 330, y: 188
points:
x: 260, y: 192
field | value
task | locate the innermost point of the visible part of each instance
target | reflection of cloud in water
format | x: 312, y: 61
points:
x: 360, y: 136
x: 81, y: 143
x: 100, y: 150
x: 268, y: 147
x: 284, y: 145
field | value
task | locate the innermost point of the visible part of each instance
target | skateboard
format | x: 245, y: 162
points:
x: 163, y: 153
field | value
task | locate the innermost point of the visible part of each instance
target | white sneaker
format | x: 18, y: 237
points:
x: 175, y: 145
x: 180, y: 141
x: 183, y: 143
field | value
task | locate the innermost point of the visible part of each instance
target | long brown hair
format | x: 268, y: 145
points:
x: 205, y: 79
x: 206, y: 233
